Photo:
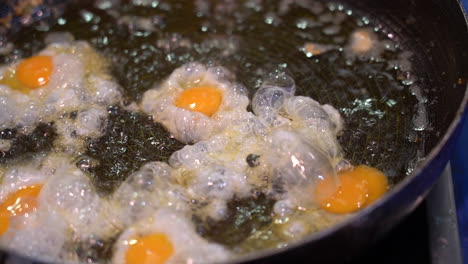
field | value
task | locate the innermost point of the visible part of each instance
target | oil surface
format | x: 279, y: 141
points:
x: 146, y: 40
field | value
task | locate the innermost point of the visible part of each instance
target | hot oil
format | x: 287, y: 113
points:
x: 146, y: 40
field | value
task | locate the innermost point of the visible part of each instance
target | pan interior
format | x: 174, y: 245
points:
x: 378, y: 100
x: 380, y: 97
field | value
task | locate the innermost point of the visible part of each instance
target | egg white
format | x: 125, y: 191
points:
x: 144, y: 192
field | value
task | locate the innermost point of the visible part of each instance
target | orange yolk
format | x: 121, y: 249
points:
x: 22, y: 201
x: 356, y: 189
x: 150, y: 249
x: 202, y: 99
x: 35, y: 71
x: 4, y: 223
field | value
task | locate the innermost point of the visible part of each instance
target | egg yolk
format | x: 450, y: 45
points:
x: 35, y: 71
x: 202, y: 99
x: 355, y: 189
x: 22, y: 201
x: 4, y: 223
x: 150, y: 249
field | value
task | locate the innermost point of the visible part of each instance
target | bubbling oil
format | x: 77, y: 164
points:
x: 374, y: 88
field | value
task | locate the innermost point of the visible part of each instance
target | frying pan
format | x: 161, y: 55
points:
x: 436, y: 32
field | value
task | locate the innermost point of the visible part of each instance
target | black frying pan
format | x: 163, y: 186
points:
x: 436, y: 32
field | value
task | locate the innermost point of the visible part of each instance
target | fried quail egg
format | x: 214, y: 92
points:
x: 64, y: 77
x: 49, y: 203
x: 22, y: 176
x: 302, y: 134
x: 26, y: 223
x: 165, y: 237
x: 308, y: 161
x: 196, y: 102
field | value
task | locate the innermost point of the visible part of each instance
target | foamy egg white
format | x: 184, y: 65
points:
x: 70, y: 194
x: 216, y: 170
x: 278, y: 108
x: 144, y: 192
x: 67, y: 208
x: 42, y: 233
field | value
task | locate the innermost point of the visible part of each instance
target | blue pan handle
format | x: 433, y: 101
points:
x: 459, y: 164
